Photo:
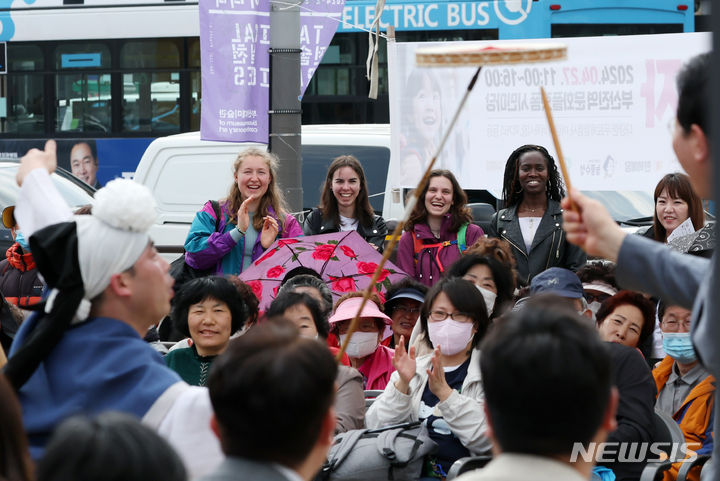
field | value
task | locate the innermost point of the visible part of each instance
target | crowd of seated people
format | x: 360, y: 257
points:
x: 269, y: 392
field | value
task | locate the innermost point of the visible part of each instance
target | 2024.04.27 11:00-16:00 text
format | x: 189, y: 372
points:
x: 550, y: 76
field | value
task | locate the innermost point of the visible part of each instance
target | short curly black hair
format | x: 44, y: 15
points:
x: 209, y: 287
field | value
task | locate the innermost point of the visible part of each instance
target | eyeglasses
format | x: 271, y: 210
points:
x: 672, y: 325
x: 406, y: 310
x: 596, y: 297
x: 455, y: 316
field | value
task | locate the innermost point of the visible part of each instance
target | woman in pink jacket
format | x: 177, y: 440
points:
x: 439, y: 229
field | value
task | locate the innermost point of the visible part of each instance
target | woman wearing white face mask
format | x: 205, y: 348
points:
x: 443, y: 388
x: 367, y: 355
x: 494, y: 280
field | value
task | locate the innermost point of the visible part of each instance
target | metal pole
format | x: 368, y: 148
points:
x: 285, y: 112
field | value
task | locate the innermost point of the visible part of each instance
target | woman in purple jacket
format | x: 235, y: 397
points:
x: 439, y: 229
x: 253, y: 216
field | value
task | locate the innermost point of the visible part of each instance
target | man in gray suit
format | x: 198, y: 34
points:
x: 649, y: 266
x: 272, y: 394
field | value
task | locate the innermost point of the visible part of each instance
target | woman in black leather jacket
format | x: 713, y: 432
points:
x: 532, y: 219
x: 344, y: 204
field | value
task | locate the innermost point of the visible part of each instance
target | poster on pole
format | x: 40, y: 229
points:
x: 234, y: 42
x: 613, y: 101
x: 235, y: 61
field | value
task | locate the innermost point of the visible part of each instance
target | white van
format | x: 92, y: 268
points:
x: 183, y: 172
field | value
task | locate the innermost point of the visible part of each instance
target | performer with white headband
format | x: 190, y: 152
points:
x: 84, y: 352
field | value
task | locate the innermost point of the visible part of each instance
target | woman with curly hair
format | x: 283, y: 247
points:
x: 532, y: 218
x: 439, y: 229
x: 344, y: 204
x: 208, y: 310
x: 253, y: 216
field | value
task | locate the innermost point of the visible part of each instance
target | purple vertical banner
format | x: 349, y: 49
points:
x: 319, y: 20
x: 234, y: 42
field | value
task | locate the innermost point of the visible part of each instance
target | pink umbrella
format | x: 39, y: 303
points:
x: 344, y: 260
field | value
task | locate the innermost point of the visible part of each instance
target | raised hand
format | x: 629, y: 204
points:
x: 269, y: 231
x: 36, y: 159
x: 405, y: 366
x: 436, y: 377
x: 591, y: 227
x: 243, y: 214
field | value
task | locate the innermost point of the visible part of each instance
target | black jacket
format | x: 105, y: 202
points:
x: 549, y: 247
x: 375, y: 234
x: 635, y: 411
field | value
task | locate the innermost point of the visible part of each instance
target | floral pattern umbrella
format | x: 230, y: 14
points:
x: 344, y: 260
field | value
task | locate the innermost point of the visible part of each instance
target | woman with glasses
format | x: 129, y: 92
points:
x: 404, y: 300
x: 444, y: 388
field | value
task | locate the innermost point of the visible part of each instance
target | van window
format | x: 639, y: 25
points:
x: 317, y: 159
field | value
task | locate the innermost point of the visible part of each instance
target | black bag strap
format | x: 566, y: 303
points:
x: 216, y: 208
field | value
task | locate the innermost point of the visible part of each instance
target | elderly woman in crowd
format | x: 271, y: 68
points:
x: 208, y: 310
x: 367, y: 354
x: 493, y: 279
x: 404, y: 299
x: 305, y: 312
x: 627, y: 318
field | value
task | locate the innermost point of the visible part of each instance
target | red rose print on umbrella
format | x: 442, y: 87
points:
x: 343, y: 260
x: 275, y: 272
x: 348, y: 252
x: 323, y: 252
x: 256, y: 287
x: 369, y: 269
x: 342, y: 284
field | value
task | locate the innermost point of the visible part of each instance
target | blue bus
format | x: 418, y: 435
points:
x: 513, y: 19
x: 117, y: 74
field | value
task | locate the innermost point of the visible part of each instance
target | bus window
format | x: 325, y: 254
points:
x: 161, y: 53
x: 25, y: 108
x: 195, y: 83
x: 195, y: 100
x: 151, y: 100
x: 596, y: 30
x: 83, y: 103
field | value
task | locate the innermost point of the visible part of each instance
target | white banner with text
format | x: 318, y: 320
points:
x: 613, y: 101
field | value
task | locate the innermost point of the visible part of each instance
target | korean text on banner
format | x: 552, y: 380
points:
x: 613, y: 101
x: 319, y: 20
x: 234, y: 42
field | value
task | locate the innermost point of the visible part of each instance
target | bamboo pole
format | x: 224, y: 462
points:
x: 558, y: 150
x: 408, y: 209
